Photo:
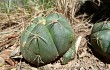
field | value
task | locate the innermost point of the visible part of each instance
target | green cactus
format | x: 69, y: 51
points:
x: 100, y: 38
x: 47, y: 39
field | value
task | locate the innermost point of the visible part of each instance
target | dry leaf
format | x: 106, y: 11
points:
x: 6, y: 56
x: 10, y: 62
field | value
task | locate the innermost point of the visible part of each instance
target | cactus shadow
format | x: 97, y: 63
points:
x: 97, y: 55
x: 26, y: 62
x: 98, y: 12
x: 34, y: 65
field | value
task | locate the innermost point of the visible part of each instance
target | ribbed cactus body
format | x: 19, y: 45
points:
x: 100, y: 38
x: 47, y: 39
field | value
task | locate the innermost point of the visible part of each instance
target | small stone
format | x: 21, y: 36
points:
x: 13, y: 69
x: 82, y: 68
x: 33, y: 68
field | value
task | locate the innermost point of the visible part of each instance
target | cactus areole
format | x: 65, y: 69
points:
x: 46, y: 39
x: 100, y: 39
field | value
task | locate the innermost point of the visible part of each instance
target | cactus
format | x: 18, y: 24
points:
x: 47, y: 39
x: 100, y: 39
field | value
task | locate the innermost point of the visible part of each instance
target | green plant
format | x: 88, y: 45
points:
x: 47, y: 39
x: 10, y: 7
x: 28, y: 4
x: 7, y: 6
x: 46, y: 4
x: 100, y: 38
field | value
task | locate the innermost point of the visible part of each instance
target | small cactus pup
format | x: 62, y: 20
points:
x: 100, y: 39
x: 47, y: 39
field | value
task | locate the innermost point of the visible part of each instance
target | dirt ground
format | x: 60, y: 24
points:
x: 9, y: 42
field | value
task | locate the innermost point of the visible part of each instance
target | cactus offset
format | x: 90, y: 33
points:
x: 100, y: 38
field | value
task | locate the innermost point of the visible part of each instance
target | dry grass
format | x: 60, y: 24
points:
x: 68, y: 8
x: 21, y: 16
x: 9, y: 37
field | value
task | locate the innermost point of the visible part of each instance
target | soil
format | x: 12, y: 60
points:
x: 83, y: 60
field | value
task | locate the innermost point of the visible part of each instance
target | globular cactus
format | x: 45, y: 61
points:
x: 100, y: 39
x: 47, y: 39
